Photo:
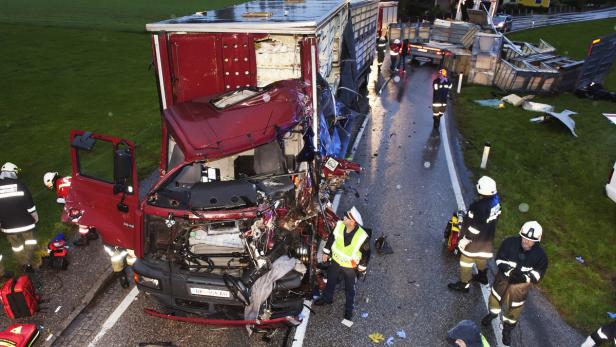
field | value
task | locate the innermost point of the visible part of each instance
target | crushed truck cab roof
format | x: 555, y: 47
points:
x: 217, y: 126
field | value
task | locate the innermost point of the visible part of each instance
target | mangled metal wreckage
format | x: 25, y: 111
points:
x: 229, y: 229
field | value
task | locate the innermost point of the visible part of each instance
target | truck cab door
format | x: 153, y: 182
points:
x: 104, y: 188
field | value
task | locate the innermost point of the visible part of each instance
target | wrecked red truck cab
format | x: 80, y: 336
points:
x: 248, y: 161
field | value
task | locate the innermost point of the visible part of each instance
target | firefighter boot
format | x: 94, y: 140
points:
x: 92, y: 234
x: 459, y: 286
x: 487, y: 320
x: 481, y: 276
x: 507, y: 327
x: 82, y: 240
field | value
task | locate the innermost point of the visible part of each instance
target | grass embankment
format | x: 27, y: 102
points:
x: 56, y: 78
x: 561, y: 178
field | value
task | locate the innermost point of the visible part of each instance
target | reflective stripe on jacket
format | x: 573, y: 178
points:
x: 347, y: 256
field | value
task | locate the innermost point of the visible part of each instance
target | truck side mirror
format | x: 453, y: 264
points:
x: 84, y: 141
x: 122, y: 171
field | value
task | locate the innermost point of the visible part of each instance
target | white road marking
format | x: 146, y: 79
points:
x: 300, y: 331
x: 455, y: 183
x: 115, y: 315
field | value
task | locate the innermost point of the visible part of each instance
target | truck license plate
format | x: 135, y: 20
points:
x: 210, y: 292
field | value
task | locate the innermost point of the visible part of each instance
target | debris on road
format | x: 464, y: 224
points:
x: 382, y: 246
x: 401, y: 334
x: 364, y: 315
x: 390, y: 341
x: 347, y: 323
x: 376, y: 337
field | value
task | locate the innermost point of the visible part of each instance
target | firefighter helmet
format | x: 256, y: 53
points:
x: 442, y: 72
x: 397, y: 41
x: 10, y: 167
x: 531, y: 231
x: 48, y: 179
x: 486, y: 186
x: 355, y: 215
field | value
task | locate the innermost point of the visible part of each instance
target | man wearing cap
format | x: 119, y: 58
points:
x: 521, y: 263
x: 349, y: 247
x: 18, y: 216
x: 466, y: 334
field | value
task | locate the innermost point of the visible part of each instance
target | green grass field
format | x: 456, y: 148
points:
x: 58, y: 76
x: 561, y: 178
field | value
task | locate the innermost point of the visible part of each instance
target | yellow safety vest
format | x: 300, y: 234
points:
x: 345, y: 255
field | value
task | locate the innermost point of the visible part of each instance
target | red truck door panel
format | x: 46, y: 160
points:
x: 207, y: 64
x: 102, y: 202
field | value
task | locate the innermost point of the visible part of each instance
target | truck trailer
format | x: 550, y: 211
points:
x: 229, y: 226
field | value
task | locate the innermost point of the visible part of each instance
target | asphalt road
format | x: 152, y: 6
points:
x: 526, y: 22
x: 405, y: 193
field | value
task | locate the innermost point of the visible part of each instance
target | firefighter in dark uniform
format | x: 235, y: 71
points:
x: 521, y: 263
x: 441, y: 86
x: 349, y: 246
x: 606, y: 333
x: 18, y: 216
x: 477, y: 234
x: 394, y: 54
x: 381, y: 49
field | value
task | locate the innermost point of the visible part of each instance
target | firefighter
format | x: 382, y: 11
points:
x: 349, y: 246
x: 18, y: 216
x: 605, y: 333
x: 466, y: 334
x: 476, y: 235
x: 521, y: 263
x: 62, y: 186
x: 404, y: 52
x: 441, y: 85
x: 381, y: 48
x: 394, y: 52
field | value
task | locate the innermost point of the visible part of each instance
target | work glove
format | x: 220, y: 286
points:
x: 361, y: 269
x: 517, y: 277
x: 463, y: 243
x: 505, y: 269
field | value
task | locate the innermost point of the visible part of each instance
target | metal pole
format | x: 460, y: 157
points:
x: 486, y: 153
x: 315, y: 116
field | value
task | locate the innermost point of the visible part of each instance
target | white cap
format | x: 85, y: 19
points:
x: 397, y: 41
x: 354, y: 213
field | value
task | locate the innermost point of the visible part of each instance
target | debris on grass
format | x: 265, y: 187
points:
x: 515, y: 100
x: 611, y: 117
x: 612, y: 315
x: 489, y: 102
x: 564, y: 117
x: 580, y: 259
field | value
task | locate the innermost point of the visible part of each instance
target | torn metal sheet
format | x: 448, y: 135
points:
x: 563, y: 117
x: 611, y: 117
x: 537, y: 107
x: 489, y: 102
x: 516, y: 100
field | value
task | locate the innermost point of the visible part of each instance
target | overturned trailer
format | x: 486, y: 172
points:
x: 228, y: 228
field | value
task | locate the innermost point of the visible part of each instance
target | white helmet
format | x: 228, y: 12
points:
x: 397, y: 41
x: 354, y: 213
x: 48, y: 179
x: 486, y: 186
x: 10, y: 167
x: 531, y: 231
